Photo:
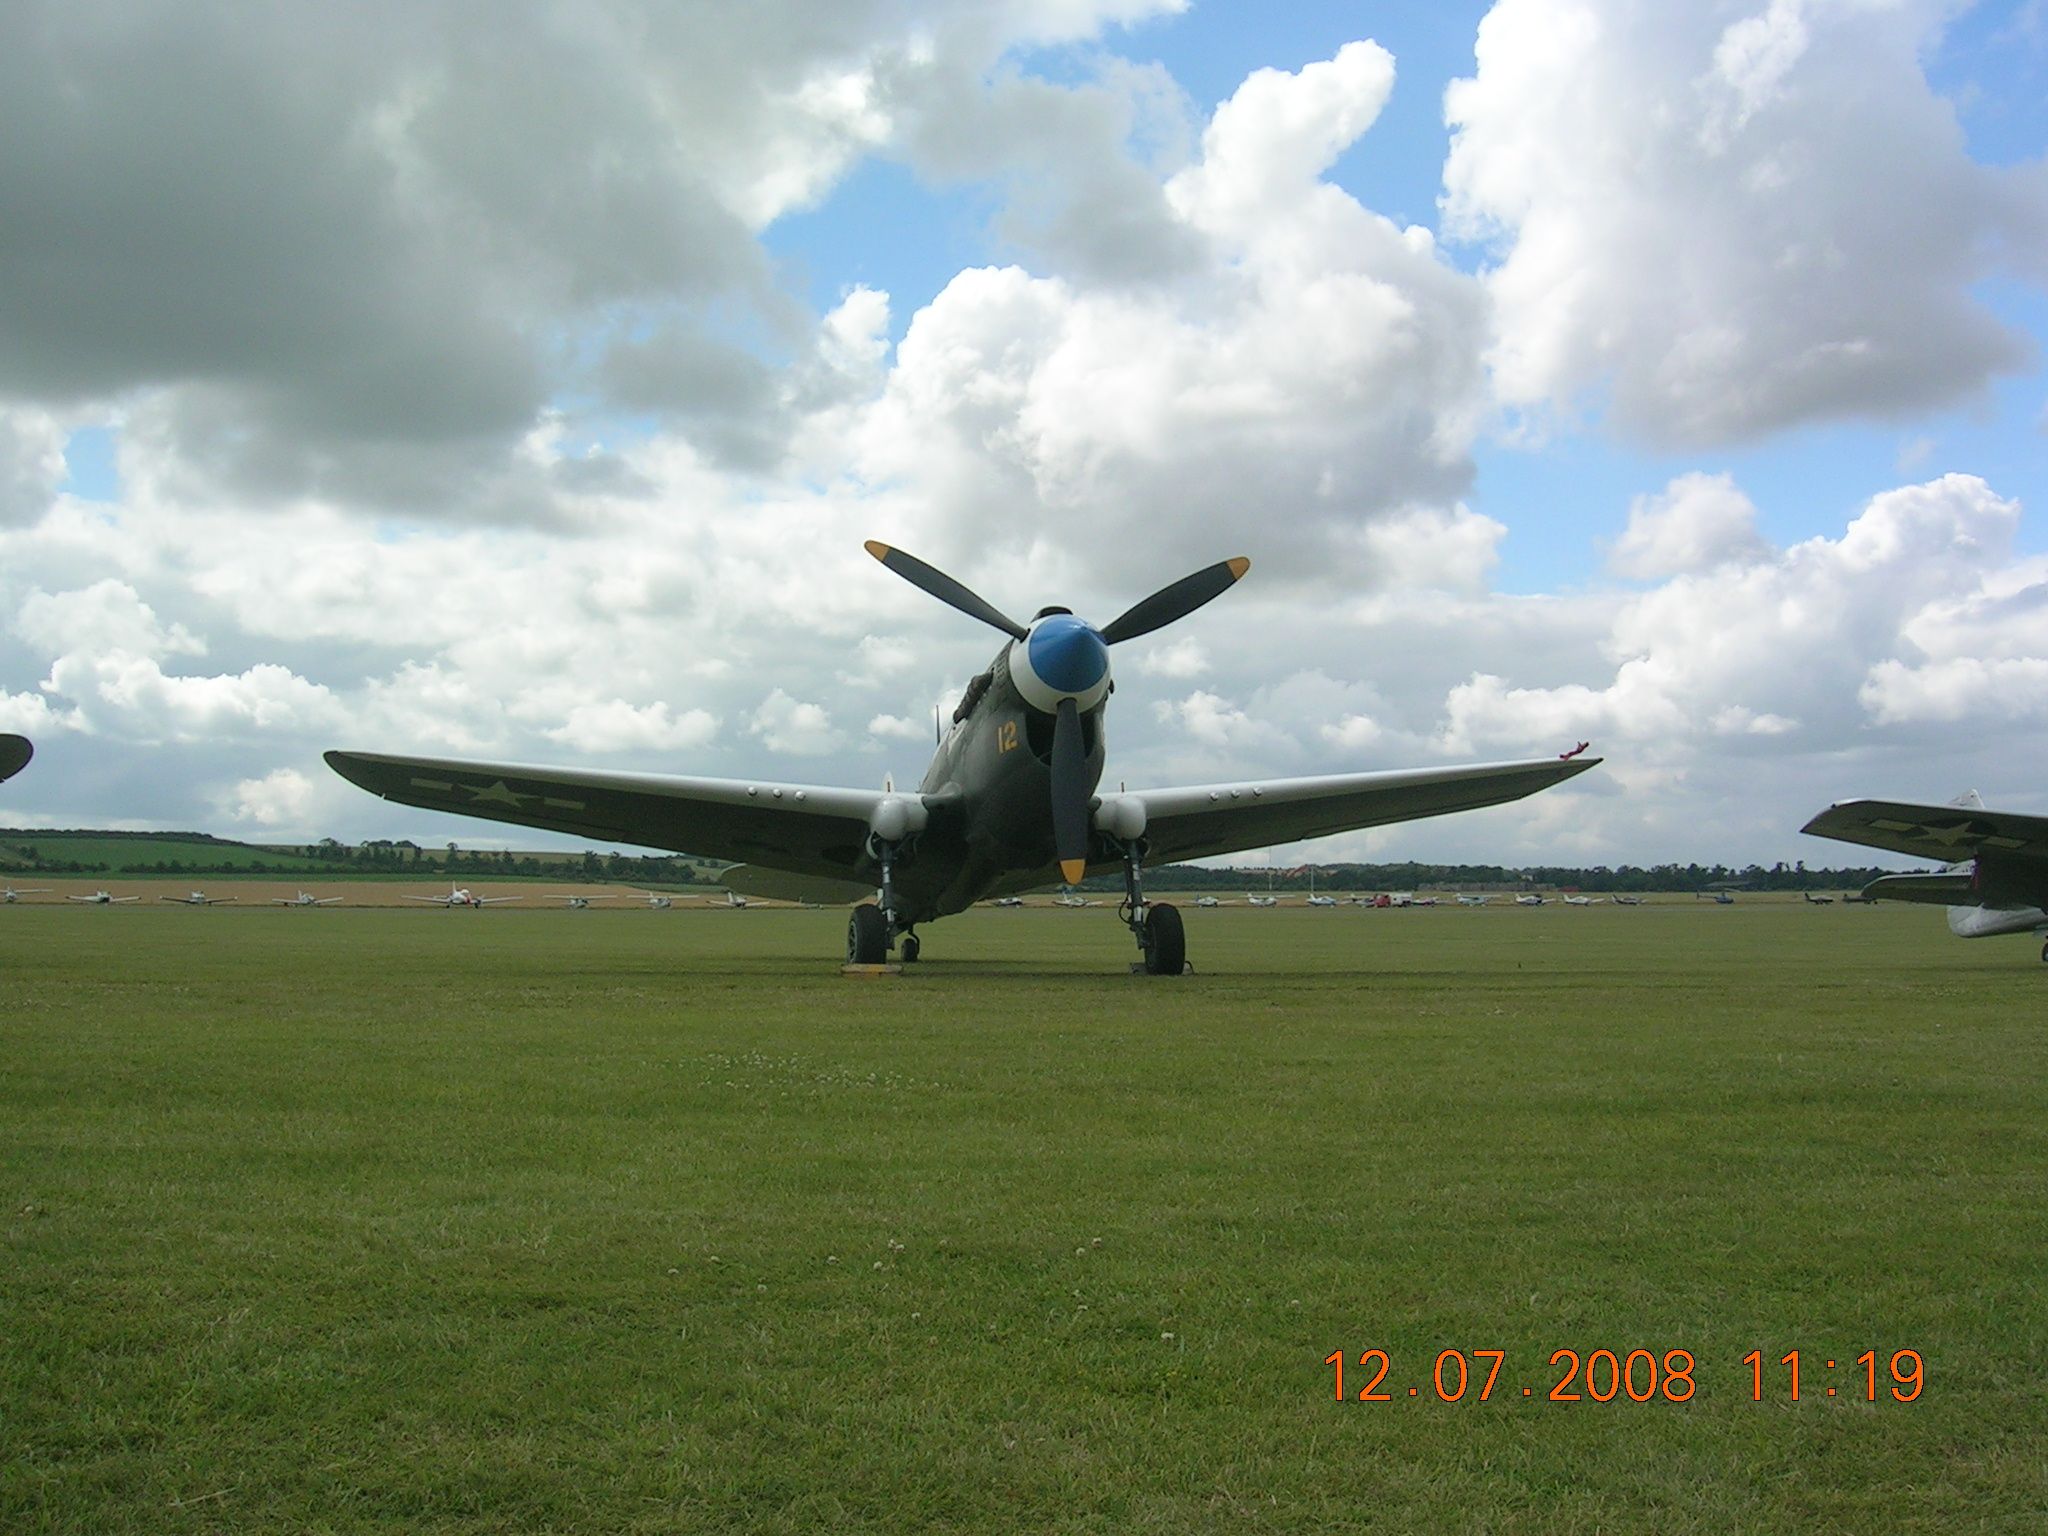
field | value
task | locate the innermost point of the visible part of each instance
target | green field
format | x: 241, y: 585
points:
x: 114, y: 854
x: 540, y: 1221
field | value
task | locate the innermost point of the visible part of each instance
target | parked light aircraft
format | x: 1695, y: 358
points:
x: 576, y: 903
x: 1210, y: 901
x: 305, y: 899
x: 12, y: 895
x: 15, y: 751
x: 1008, y: 804
x: 1531, y: 900
x: 1583, y: 901
x: 1628, y: 901
x: 1996, y: 875
x: 731, y: 899
x: 656, y: 900
x: 102, y: 899
x: 462, y: 896
x: 1262, y: 901
x: 1472, y: 901
x: 1007, y: 901
x: 1817, y: 901
x: 197, y: 899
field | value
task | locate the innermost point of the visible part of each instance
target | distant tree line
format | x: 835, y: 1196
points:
x: 1494, y: 877
x: 377, y: 857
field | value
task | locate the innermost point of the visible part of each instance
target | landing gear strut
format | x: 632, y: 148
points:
x: 871, y: 931
x: 1156, y: 927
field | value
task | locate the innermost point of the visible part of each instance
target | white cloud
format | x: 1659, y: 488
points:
x: 615, y: 725
x: 1182, y: 658
x: 283, y: 798
x: 793, y: 727
x: 1698, y: 522
x: 1733, y: 223
x: 899, y: 728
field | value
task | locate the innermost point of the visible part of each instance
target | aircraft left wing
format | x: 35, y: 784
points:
x: 802, y: 828
x: 1944, y: 833
x: 1203, y: 820
x: 1958, y: 889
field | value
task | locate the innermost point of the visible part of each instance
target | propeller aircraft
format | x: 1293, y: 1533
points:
x: 197, y: 899
x: 1008, y: 804
x: 11, y: 895
x: 1995, y: 874
x: 15, y: 751
x: 575, y: 903
x: 462, y: 896
x: 102, y: 899
x: 305, y: 899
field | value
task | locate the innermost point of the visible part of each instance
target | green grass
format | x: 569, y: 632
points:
x: 122, y: 853
x: 523, y: 1221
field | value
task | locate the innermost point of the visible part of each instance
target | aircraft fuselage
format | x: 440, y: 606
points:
x: 988, y: 793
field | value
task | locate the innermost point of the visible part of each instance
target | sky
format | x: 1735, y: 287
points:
x: 521, y: 384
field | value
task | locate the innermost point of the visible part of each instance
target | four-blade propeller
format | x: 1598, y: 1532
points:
x: 1060, y: 665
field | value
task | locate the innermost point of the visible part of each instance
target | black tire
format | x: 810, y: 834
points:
x: 1166, y: 943
x: 2044, y: 954
x: 867, y: 936
x: 910, y: 949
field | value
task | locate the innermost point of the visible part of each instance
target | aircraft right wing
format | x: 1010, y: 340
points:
x: 799, y: 828
x: 1203, y: 820
x: 1944, y: 833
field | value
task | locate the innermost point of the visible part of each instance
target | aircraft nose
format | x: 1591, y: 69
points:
x: 1068, y: 654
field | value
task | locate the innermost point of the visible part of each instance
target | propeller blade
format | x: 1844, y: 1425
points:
x: 1176, y: 601
x: 945, y: 588
x: 1069, y: 793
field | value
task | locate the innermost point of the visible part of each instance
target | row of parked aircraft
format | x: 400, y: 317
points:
x: 1010, y: 801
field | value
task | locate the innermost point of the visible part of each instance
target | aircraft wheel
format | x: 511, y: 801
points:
x: 911, y: 947
x: 1166, y: 944
x: 867, y: 936
x: 2044, y: 954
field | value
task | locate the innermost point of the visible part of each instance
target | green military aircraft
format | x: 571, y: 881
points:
x: 1009, y: 803
x: 15, y: 752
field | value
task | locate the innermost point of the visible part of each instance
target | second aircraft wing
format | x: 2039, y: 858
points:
x: 1208, y: 819
x: 1945, y: 833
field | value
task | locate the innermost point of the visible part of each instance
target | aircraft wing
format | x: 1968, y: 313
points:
x: 15, y: 752
x: 1203, y: 820
x: 1945, y: 833
x: 1946, y: 890
x: 801, y: 828
x: 775, y: 885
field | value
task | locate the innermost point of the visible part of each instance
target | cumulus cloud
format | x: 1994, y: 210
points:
x: 1698, y: 522
x: 1778, y: 645
x: 793, y: 726
x: 1317, y: 368
x: 283, y: 798
x: 1731, y: 218
x: 615, y: 725
x: 358, y: 254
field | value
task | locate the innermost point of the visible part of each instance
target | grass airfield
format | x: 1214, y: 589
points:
x: 527, y: 1220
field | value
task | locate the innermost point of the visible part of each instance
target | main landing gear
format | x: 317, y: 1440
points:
x: 1157, y: 927
x: 872, y: 929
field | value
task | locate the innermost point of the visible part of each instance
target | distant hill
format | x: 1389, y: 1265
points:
x: 167, y: 853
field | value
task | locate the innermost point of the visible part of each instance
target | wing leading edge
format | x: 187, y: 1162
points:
x: 1208, y: 819
x: 801, y: 828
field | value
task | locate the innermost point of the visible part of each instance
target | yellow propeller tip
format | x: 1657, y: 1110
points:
x: 1238, y: 567
x: 877, y: 548
x: 1071, y: 870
